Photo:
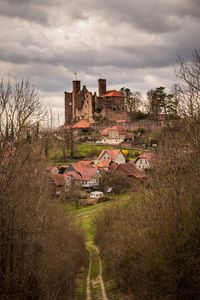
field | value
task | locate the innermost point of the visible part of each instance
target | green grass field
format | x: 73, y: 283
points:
x: 85, y: 217
x: 84, y: 150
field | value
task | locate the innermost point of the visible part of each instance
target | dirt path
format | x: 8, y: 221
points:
x: 103, y: 290
x: 88, y: 292
x: 97, y: 291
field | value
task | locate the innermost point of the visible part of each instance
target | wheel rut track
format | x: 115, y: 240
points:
x: 100, y: 276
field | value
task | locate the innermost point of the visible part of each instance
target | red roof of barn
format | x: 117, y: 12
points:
x: 83, y: 170
x: 129, y: 170
x: 59, y: 179
x: 50, y: 168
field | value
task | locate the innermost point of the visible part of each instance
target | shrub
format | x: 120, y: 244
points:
x: 156, y: 237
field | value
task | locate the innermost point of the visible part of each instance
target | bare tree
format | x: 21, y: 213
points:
x: 33, y: 230
x: 189, y: 75
x: 133, y: 99
x: 20, y: 108
x: 66, y: 140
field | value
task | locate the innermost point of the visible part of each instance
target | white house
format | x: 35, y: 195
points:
x: 112, y: 155
x: 114, y: 135
x: 144, y: 161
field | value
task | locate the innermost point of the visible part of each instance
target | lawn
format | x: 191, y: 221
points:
x: 85, y: 216
x: 89, y: 150
x: 85, y: 150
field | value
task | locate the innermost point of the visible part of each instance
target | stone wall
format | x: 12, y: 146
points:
x: 147, y: 125
x: 68, y: 108
x: 84, y: 108
x: 114, y: 115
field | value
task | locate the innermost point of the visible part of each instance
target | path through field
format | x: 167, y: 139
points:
x: 95, y: 282
x: 95, y: 286
x: 92, y: 284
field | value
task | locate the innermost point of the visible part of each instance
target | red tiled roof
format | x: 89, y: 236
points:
x: 83, y: 170
x: 147, y: 155
x: 59, y: 179
x: 89, y: 173
x: 121, y: 121
x: 83, y: 124
x: 120, y: 129
x: 85, y: 162
x: 104, y: 163
x: 105, y: 131
x: 112, y: 153
x: 63, y: 166
x: 129, y: 170
x: 112, y: 93
x: 52, y: 169
x: 113, y: 166
x: 77, y: 176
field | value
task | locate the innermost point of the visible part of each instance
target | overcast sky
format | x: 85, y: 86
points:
x: 131, y: 43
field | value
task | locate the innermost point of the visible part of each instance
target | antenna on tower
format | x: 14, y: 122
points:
x: 75, y: 74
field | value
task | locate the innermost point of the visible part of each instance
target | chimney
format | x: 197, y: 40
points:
x: 102, y: 86
x: 76, y: 86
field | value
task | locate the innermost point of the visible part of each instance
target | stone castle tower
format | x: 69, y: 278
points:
x: 82, y: 104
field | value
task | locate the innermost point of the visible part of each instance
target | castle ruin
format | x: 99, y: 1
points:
x: 82, y: 104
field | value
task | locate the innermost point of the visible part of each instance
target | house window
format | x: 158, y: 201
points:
x: 140, y: 161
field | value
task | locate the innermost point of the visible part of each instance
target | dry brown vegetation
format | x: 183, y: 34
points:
x: 151, y: 246
x: 41, y: 249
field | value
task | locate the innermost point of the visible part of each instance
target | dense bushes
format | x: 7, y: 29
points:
x: 41, y: 249
x: 116, y: 183
x: 152, y: 246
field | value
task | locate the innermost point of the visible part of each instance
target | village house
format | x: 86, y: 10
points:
x: 144, y: 161
x: 53, y: 169
x: 83, y: 173
x: 114, y: 155
x: 60, y: 183
x: 128, y: 170
x: 106, y: 165
x: 114, y: 135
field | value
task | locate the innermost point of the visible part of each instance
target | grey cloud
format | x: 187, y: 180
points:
x: 152, y: 16
x: 45, y: 12
x: 130, y: 42
x: 23, y: 10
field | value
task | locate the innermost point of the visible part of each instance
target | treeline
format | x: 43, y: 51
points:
x: 151, y: 246
x: 41, y: 250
